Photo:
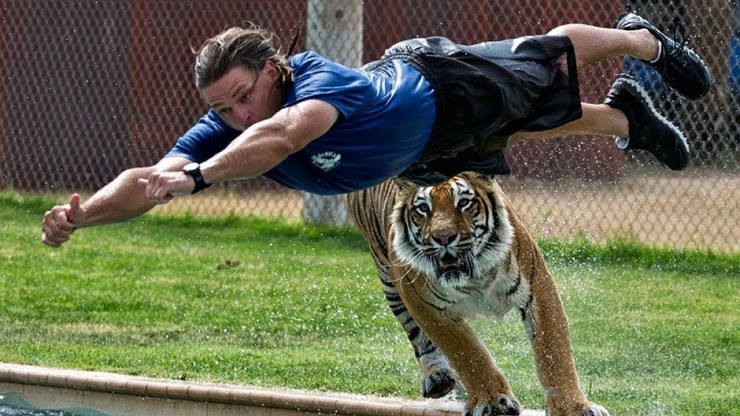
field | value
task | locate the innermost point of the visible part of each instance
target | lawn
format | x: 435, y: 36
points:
x: 278, y: 304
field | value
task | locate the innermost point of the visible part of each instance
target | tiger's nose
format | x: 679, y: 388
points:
x: 444, y: 237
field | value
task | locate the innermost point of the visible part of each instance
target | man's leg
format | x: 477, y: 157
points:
x: 681, y: 68
x: 629, y: 114
x: 592, y: 44
x: 598, y: 119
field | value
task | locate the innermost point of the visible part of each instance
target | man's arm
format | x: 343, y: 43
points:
x: 120, y: 200
x: 266, y: 144
x: 258, y: 149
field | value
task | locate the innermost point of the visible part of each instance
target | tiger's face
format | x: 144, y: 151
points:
x: 456, y: 231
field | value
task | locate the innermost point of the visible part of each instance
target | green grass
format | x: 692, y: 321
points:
x: 273, y: 303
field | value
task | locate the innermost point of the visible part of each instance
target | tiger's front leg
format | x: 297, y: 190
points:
x: 437, y: 378
x: 489, y: 393
x: 547, y: 328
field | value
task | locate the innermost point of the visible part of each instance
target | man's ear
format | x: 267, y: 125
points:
x: 270, y: 70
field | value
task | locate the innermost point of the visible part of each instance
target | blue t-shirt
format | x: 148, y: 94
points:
x: 386, y: 118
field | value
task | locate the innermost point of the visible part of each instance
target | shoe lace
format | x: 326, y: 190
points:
x: 680, y: 36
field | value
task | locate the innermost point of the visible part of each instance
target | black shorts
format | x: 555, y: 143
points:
x: 487, y: 92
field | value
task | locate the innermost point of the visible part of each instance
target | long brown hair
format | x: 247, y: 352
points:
x: 248, y: 47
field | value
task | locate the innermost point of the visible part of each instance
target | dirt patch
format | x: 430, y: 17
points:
x: 699, y: 211
x: 676, y: 211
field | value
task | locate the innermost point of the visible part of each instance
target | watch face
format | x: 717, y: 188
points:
x: 191, y: 167
x: 193, y: 170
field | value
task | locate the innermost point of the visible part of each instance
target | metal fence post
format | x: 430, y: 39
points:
x: 334, y: 31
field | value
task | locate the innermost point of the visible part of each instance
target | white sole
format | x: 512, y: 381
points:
x: 646, y: 99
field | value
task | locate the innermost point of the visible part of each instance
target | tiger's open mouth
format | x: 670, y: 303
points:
x: 449, y: 265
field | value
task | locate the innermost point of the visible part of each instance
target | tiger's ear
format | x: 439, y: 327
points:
x: 485, y: 177
x: 404, y: 185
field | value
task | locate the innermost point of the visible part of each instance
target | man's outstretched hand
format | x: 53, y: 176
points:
x: 160, y: 187
x: 61, y: 221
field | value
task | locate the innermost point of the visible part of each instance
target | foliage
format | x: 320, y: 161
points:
x: 274, y: 303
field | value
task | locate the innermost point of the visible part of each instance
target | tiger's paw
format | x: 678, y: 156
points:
x: 504, y: 405
x: 438, y: 384
x: 591, y: 409
x: 594, y: 410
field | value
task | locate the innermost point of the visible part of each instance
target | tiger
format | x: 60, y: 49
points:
x: 455, y: 251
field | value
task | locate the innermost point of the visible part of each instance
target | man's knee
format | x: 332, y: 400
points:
x: 564, y: 30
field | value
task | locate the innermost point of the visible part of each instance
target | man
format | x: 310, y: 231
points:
x: 426, y: 111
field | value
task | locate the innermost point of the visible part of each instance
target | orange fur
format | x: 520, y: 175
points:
x: 455, y: 251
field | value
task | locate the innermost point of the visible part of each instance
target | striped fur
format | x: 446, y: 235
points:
x: 456, y: 251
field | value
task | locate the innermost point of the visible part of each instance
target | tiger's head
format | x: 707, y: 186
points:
x: 456, y: 231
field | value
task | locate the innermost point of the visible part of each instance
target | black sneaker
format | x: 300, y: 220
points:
x: 681, y: 68
x: 648, y: 130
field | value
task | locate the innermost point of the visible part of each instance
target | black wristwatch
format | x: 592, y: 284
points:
x: 193, y: 170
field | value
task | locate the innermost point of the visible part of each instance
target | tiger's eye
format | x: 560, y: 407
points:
x: 422, y: 209
x: 464, y: 203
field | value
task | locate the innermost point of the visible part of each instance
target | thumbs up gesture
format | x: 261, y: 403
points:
x: 61, y: 221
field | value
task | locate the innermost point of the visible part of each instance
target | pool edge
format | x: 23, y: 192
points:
x: 170, y: 392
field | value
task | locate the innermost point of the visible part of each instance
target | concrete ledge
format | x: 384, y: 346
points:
x: 119, y: 395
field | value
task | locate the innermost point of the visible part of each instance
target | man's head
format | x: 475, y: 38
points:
x: 242, y: 75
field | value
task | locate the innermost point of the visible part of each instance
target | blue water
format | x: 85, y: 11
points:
x: 14, y: 411
x: 12, y: 404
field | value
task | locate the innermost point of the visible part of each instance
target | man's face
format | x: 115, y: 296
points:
x: 243, y: 97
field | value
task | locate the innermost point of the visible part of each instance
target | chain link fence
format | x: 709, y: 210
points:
x: 91, y: 88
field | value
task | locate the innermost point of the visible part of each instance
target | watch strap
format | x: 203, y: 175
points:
x: 193, y: 170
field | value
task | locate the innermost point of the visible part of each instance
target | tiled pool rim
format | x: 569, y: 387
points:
x: 231, y: 399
